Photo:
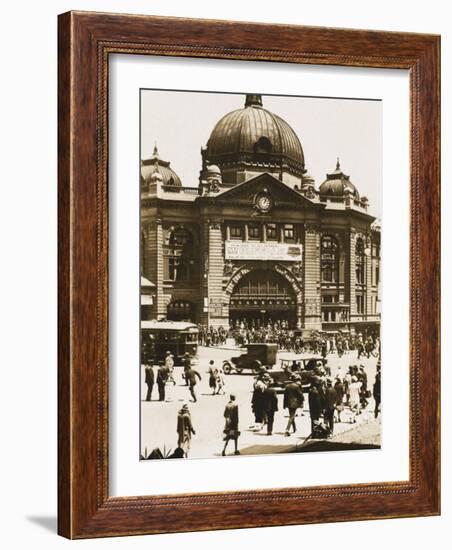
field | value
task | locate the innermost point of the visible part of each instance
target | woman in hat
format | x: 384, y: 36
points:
x: 184, y: 429
x: 231, y: 425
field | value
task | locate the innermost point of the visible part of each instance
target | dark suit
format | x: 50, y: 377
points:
x: 270, y: 406
x: 149, y: 379
x: 190, y: 377
x: 315, y: 405
x: 162, y: 377
x: 330, y: 405
x: 293, y: 399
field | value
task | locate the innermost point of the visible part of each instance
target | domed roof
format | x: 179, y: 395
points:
x: 156, y: 164
x: 213, y: 169
x: 254, y: 132
x: 337, y: 183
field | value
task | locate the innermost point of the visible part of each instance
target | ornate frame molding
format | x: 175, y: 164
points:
x: 85, y: 42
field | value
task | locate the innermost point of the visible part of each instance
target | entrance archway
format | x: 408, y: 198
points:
x: 260, y: 296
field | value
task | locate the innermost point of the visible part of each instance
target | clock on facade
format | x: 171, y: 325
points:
x: 263, y: 202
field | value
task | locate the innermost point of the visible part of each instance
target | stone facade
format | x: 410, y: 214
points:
x: 309, y: 256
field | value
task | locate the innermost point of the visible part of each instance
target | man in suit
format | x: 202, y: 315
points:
x: 190, y: 377
x: 315, y: 405
x: 293, y: 399
x: 162, y: 377
x: 269, y: 404
x: 330, y: 405
x: 149, y: 379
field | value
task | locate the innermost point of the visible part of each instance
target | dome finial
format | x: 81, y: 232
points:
x: 338, y: 164
x: 253, y: 100
x: 156, y: 151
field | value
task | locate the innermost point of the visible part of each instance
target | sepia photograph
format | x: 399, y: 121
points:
x: 260, y: 269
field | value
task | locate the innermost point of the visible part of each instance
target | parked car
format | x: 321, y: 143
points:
x: 306, y: 367
x: 256, y: 356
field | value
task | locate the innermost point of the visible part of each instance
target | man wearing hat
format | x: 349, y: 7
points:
x: 269, y: 403
x: 184, y: 429
x: 231, y: 425
x: 330, y: 405
x: 293, y: 399
x: 186, y: 363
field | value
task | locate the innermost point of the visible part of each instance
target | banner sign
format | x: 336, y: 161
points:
x: 238, y: 250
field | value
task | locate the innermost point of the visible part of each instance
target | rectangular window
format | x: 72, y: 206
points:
x: 254, y: 232
x: 289, y: 233
x: 360, y: 304
x: 271, y: 232
x: 235, y: 232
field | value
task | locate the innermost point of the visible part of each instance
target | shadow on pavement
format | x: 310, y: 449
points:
x: 325, y: 445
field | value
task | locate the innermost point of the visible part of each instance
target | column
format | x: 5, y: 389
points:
x: 212, y: 282
x: 312, y: 317
x: 153, y: 262
x: 350, y: 274
x: 368, y: 279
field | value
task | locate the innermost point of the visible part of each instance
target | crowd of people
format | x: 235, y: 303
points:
x: 329, y: 400
x: 289, y: 339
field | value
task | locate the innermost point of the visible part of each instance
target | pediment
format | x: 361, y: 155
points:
x: 251, y: 190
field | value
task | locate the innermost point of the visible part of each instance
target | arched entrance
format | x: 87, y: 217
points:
x: 263, y: 295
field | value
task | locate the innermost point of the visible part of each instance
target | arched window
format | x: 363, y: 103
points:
x: 179, y: 255
x: 329, y: 260
x: 359, y: 261
x: 142, y: 253
x: 180, y: 237
x: 263, y: 145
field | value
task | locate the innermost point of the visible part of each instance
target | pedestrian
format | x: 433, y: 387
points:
x: 315, y: 405
x: 231, y: 425
x: 220, y: 381
x: 162, y: 377
x: 149, y: 378
x: 184, y: 429
x: 293, y: 399
x: 355, y: 401
x: 190, y: 377
x: 257, y: 402
x: 362, y: 377
x: 330, y: 405
x: 170, y: 382
x: 186, y: 363
x: 339, y: 388
x: 270, y: 404
x: 212, y: 377
x: 377, y: 390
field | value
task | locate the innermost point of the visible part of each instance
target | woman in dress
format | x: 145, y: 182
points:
x: 184, y: 429
x: 231, y: 425
x: 212, y: 377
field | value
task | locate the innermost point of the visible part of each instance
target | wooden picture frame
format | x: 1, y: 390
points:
x: 86, y: 40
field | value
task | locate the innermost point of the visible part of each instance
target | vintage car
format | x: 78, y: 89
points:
x: 255, y: 357
x: 305, y: 366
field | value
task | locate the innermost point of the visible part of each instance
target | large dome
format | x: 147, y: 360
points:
x: 254, y: 134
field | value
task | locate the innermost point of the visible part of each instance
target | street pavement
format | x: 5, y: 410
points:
x: 159, y: 419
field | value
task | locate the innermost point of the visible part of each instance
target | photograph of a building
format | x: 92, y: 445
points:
x: 260, y: 274
x: 274, y: 244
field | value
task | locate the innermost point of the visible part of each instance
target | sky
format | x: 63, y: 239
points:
x: 351, y: 129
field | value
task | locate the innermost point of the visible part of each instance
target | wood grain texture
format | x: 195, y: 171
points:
x: 85, y: 42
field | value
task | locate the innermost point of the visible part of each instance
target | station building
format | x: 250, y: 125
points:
x: 255, y: 238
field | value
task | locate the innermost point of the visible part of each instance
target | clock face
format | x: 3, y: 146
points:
x: 264, y: 203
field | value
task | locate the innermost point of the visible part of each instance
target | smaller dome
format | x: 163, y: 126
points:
x: 155, y: 165
x: 337, y: 184
x: 213, y: 169
x: 156, y: 177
